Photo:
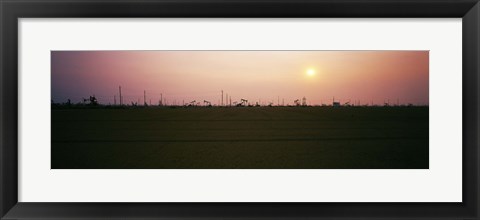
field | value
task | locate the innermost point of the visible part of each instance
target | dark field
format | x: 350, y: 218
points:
x: 241, y: 137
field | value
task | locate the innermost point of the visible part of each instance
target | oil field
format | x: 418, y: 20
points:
x: 240, y: 137
x: 240, y: 109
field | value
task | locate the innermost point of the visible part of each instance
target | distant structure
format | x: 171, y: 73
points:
x: 244, y: 102
x: 386, y: 104
x: 144, y: 98
x: 207, y: 103
x: 335, y: 104
x: 297, y: 102
x: 120, y: 95
x: 226, y: 101
x: 91, y: 101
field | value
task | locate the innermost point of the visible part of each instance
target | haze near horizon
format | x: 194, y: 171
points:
x: 276, y: 77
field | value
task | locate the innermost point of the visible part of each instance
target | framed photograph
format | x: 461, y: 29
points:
x: 261, y: 122
x: 239, y: 109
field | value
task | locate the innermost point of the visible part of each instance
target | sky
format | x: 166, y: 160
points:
x: 265, y: 77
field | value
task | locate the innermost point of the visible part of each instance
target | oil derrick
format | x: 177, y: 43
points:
x: 207, y: 103
x: 243, y: 102
x: 120, y: 95
x: 144, y: 98
x: 335, y: 104
x: 297, y: 102
x: 91, y: 100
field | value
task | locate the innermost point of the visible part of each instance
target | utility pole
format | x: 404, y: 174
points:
x: 161, y: 99
x: 120, y: 93
x: 144, y: 98
x: 114, y: 100
x: 222, y: 97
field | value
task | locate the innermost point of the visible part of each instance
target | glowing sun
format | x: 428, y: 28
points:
x: 310, y: 72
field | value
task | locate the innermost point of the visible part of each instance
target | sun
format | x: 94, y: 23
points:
x: 310, y: 72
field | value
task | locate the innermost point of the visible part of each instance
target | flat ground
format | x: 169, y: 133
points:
x: 246, y: 138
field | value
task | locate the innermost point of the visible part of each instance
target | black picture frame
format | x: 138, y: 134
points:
x: 11, y: 10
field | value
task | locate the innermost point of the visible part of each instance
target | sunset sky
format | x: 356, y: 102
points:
x: 258, y: 76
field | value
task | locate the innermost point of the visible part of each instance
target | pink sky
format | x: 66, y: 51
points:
x: 258, y: 76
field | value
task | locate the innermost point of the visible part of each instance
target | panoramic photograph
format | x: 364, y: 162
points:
x: 240, y: 109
